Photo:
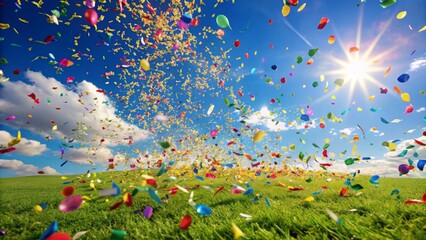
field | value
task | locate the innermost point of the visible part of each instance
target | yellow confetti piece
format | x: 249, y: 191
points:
x: 309, y: 199
x: 258, y: 136
x: 237, y: 231
x: 23, y: 20
x: 285, y: 11
x: 423, y: 28
x: 401, y: 15
x: 301, y: 7
x: 354, y: 150
x: 16, y: 31
x: 333, y: 97
x: 4, y: 26
x: 55, y: 127
x: 371, y: 98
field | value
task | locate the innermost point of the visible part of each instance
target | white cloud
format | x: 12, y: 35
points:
x: 161, y: 118
x: 21, y: 168
x: 89, y: 155
x: 417, y: 64
x: 84, y: 114
x: 25, y: 147
x: 388, y: 166
x: 266, y: 118
x: 347, y: 131
x: 422, y: 109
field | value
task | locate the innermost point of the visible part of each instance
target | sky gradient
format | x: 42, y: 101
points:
x: 318, y: 101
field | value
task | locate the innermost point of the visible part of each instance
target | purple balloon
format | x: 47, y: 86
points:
x: 147, y: 212
x: 71, y: 203
x: 90, y: 3
x: 403, y: 168
x: 182, y: 25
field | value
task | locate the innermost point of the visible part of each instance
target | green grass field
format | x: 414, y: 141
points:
x: 378, y: 215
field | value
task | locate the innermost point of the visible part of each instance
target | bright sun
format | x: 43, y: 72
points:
x: 356, y: 69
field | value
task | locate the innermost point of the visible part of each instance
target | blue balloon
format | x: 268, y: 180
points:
x: 403, y: 78
x: 203, y: 210
x: 186, y: 18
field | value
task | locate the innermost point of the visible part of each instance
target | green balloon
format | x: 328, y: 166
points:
x: 222, y: 21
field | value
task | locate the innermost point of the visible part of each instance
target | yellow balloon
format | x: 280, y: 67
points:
x: 405, y: 97
x: 144, y: 64
x: 285, y: 10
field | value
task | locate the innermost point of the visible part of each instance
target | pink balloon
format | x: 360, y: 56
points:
x: 71, y: 203
x: 91, y: 16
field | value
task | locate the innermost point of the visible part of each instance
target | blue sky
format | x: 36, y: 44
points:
x: 125, y: 115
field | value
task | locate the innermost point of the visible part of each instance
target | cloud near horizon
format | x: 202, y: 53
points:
x: 22, y: 169
x: 83, y: 113
x: 25, y: 147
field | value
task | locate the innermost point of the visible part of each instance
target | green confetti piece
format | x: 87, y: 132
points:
x: 118, y: 235
x: 312, y: 52
x: 3, y: 61
x: 164, y: 145
x: 299, y: 59
x: 226, y: 101
x: 339, y: 82
x: 349, y: 161
x: 387, y: 3
x: 395, y: 191
x: 357, y: 187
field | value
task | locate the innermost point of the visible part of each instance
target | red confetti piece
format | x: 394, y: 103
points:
x: 34, y: 98
x: 67, y: 191
x: 322, y: 23
x: 186, y: 222
x: 116, y: 205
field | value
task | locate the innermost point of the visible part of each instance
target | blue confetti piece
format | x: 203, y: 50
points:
x: 154, y: 196
x: 384, y: 121
x: 249, y: 191
x: 199, y: 178
x: 114, y: 185
x: 421, y: 164
x: 50, y: 230
x: 267, y: 202
x: 374, y: 179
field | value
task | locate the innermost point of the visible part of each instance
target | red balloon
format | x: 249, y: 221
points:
x: 237, y: 43
x: 322, y: 125
x: 283, y: 80
x: 91, y: 16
